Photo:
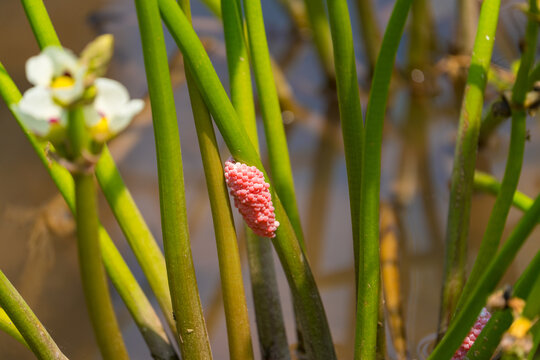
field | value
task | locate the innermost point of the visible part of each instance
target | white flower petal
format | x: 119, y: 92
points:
x: 63, y: 60
x: 111, y: 96
x: 91, y: 116
x: 39, y: 70
x: 122, y: 118
x: 38, y: 126
x: 37, y: 102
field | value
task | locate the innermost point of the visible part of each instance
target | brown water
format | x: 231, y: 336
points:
x: 37, y: 248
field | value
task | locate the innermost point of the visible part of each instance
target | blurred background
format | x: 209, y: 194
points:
x: 37, y: 244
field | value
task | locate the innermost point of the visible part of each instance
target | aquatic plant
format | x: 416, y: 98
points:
x: 72, y: 111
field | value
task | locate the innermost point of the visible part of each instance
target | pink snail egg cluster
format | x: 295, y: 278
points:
x: 467, y: 344
x: 251, y: 197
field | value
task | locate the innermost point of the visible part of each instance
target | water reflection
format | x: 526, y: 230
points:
x: 37, y: 249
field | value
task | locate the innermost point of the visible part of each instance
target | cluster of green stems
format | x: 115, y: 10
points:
x: 172, y: 276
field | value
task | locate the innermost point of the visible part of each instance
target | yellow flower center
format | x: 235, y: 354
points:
x: 62, y: 82
x: 101, y: 128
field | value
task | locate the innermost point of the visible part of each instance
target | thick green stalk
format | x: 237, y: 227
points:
x: 190, y: 323
x: 94, y: 281
x: 492, y: 235
x: 136, y: 231
x: 230, y: 267
x: 486, y: 344
x: 320, y: 31
x: 463, y: 320
x: 301, y: 282
x: 33, y: 332
x: 487, y: 183
x: 40, y: 22
x: 125, y: 210
x: 459, y: 207
x: 350, y: 110
x: 368, y: 252
x: 7, y: 326
x: 126, y: 284
x: 369, y: 27
x: 278, y: 153
x: 270, y: 326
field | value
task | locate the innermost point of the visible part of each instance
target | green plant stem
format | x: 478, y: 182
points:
x: 493, y: 234
x: 467, y: 14
x: 465, y: 318
x: 534, y: 76
x: 486, y: 344
x: 278, y: 153
x: 350, y: 110
x: 535, y: 332
x: 94, y: 281
x: 136, y: 301
x: 498, y: 112
x: 137, y: 233
x: 368, y: 252
x: 190, y: 323
x: 33, y: 332
x: 487, y: 183
x: 369, y: 27
x: 41, y: 23
x: 270, y: 326
x: 320, y: 31
x: 6, y: 325
x: 124, y: 282
x: 230, y: 267
x: 459, y: 207
x: 301, y: 282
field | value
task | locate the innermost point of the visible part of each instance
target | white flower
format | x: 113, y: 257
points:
x: 112, y: 111
x: 58, y: 70
x: 38, y: 112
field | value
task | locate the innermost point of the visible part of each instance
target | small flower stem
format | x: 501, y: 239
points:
x: 465, y: 318
x: 487, y: 183
x: 350, y: 110
x: 485, y: 345
x: 125, y: 210
x: 190, y: 324
x: 369, y: 28
x: 301, y: 282
x: 230, y: 267
x: 280, y: 165
x: 459, y: 207
x: 270, y: 326
x: 6, y: 325
x: 368, y: 253
x: 33, y: 332
x: 493, y: 234
x: 94, y: 281
x: 126, y: 285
